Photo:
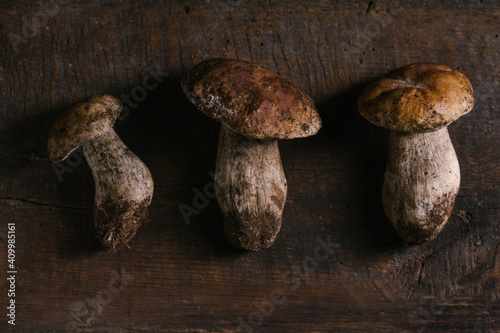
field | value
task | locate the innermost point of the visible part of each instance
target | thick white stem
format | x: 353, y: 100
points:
x: 421, y: 183
x: 251, y: 189
x: 123, y: 188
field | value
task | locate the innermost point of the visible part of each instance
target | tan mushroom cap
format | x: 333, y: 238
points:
x: 81, y: 123
x: 252, y: 100
x: 417, y: 98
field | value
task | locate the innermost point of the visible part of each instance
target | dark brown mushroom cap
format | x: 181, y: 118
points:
x: 252, y: 100
x: 82, y: 122
x: 417, y: 98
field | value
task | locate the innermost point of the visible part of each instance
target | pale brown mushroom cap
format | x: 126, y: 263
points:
x: 250, y: 99
x: 83, y: 122
x: 417, y: 98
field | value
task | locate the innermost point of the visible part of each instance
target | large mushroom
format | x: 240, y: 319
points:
x: 123, y: 183
x: 256, y: 107
x: 417, y: 103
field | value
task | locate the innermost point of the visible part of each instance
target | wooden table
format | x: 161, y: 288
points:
x: 181, y: 275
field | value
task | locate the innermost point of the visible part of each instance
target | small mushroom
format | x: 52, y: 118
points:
x: 417, y: 102
x: 123, y: 183
x: 256, y: 107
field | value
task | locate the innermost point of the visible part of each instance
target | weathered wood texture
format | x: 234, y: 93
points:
x: 185, y: 277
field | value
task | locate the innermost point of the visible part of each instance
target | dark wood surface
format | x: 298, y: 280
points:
x: 181, y: 277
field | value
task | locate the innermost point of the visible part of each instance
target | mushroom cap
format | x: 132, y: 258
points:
x: 250, y: 99
x: 81, y: 123
x: 417, y: 98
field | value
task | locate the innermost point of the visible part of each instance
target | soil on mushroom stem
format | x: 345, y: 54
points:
x: 432, y: 225
x: 118, y: 223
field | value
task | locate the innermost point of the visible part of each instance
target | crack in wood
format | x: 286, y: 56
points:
x: 41, y: 203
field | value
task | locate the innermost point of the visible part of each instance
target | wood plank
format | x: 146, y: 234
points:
x: 182, y: 277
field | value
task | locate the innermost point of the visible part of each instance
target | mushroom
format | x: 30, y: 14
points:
x: 256, y: 107
x: 123, y: 183
x: 417, y: 102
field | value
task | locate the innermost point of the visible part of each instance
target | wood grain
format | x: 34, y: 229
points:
x: 184, y: 277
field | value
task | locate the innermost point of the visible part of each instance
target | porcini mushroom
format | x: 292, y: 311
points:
x: 417, y: 103
x: 256, y: 107
x: 123, y: 183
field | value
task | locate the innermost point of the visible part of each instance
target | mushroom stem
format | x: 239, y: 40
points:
x: 251, y: 189
x: 123, y: 188
x: 421, y: 183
